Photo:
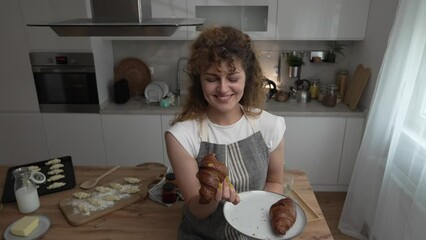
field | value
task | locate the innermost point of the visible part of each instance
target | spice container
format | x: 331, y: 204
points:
x: 314, y: 88
x: 330, y: 97
x: 341, y: 81
x: 170, y: 178
x: 321, y: 92
x: 169, y: 194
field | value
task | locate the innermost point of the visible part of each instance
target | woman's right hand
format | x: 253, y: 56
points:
x: 226, y: 192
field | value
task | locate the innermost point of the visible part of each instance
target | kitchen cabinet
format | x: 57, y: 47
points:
x: 22, y: 138
x: 324, y: 147
x: 76, y: 135
x: 314, y: 144
x: 132, y: 139
x: 44, y: 38
x: 353, y: 136
x: 322, y: 19
x: 257, y: 18
x: 17, y: 91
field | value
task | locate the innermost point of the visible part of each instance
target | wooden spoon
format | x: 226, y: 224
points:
x: 92, y: 182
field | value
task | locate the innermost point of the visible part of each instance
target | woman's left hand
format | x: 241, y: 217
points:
x: 226, y: 192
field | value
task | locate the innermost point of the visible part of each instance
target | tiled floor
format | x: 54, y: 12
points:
x: 331, y: 204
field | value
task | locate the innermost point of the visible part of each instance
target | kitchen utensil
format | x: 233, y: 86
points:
x: 302, y: 84
x: 356, y: 86
x: 311, y: 215
x: 251, y: 216
x: 156, y: 90
x: 67, y: 205
x: 92, y: 182
x: 43, y: 225
x: 303, y: 96
x: 137, y: 74
x: 271, y: 88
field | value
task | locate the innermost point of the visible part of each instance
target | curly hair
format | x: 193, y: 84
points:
x: 213, y: 46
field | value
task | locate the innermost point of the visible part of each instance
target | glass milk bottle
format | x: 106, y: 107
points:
x: 25, y: 191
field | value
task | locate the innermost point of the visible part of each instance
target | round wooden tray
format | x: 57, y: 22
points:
x: 136, y: 72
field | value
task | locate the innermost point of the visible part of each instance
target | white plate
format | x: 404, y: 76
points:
x: 43, y: 226
x: 251, y: 216
x: 154, y: 92
x: 164, y: 86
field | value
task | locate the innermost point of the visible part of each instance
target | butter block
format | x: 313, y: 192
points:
x: 25, y: 226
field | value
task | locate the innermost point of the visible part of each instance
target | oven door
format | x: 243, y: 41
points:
x: 66, y: 89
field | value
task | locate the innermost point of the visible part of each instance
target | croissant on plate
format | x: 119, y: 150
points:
x: 282, y: 215
x: 211, y: 172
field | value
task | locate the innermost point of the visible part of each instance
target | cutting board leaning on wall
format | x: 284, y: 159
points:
x: 356, y: 86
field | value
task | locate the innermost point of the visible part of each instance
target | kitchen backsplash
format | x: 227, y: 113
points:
x: 163, y: 57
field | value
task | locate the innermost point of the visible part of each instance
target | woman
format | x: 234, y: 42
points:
x: 223, y: 116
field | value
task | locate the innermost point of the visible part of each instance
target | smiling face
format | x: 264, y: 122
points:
x: 223, y: 88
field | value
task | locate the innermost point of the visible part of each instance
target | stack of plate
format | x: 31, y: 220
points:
x: 156, y: 90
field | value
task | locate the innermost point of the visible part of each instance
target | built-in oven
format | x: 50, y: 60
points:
x: 65, y: 82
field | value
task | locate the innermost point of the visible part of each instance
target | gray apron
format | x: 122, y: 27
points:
x: 247, y: 162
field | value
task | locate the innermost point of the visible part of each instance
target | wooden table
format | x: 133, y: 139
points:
x: 145, y: 219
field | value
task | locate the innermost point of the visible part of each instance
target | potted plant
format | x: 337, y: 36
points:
x: 295, y: 62
x: 337, y: 47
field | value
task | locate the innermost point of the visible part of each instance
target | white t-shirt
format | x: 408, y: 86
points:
x: 272, y: 128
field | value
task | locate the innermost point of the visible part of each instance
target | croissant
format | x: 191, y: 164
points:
x: 211, y: 172
x: 282, y: 215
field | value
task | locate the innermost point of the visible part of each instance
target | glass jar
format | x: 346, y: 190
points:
x: 341, y: 81
x: 170, y: 178
x: 169, y: 194
x: 330, y: 97
x: 321, y: 92
x: 314, y: 88
x: 25, y: 191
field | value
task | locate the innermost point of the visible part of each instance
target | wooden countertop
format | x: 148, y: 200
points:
x: 140, y: 220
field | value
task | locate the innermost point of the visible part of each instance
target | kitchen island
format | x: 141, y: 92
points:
x: 144, y: 219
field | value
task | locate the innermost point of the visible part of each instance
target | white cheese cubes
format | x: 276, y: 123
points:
x: 25, y: 226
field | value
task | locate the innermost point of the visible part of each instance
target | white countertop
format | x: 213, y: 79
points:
x: 289, y: 108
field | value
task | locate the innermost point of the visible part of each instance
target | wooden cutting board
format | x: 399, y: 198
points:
x: 136, y: 72
x: 356, y: 86
x: 75, y: 217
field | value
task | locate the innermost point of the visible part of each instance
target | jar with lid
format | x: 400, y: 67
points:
x: 321, y: 92
x: 169, y: 194
x: 330, y: 97
x: 171, y: 178
x: 341, y: 81
x: 314, y: 88
x: 25, y: 191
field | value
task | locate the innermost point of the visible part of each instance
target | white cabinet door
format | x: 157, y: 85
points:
x: 22, y: 139
x: 165, y: 125
x: 132, y: 139
x: 17, y: 91
x: 257, y: 18
x: 44, y: 38
x: 352, y: 142
x: 314, y: 144
x: 76, y: 135
x: 322, y: 19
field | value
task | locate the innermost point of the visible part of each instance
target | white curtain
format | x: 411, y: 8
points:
x: 387, y: 194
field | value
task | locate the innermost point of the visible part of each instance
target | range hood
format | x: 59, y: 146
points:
x: 120, y: 18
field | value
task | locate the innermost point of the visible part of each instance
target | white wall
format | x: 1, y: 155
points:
x: 163, y: 56
x: 370, y: 51
x: 17, y: 88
